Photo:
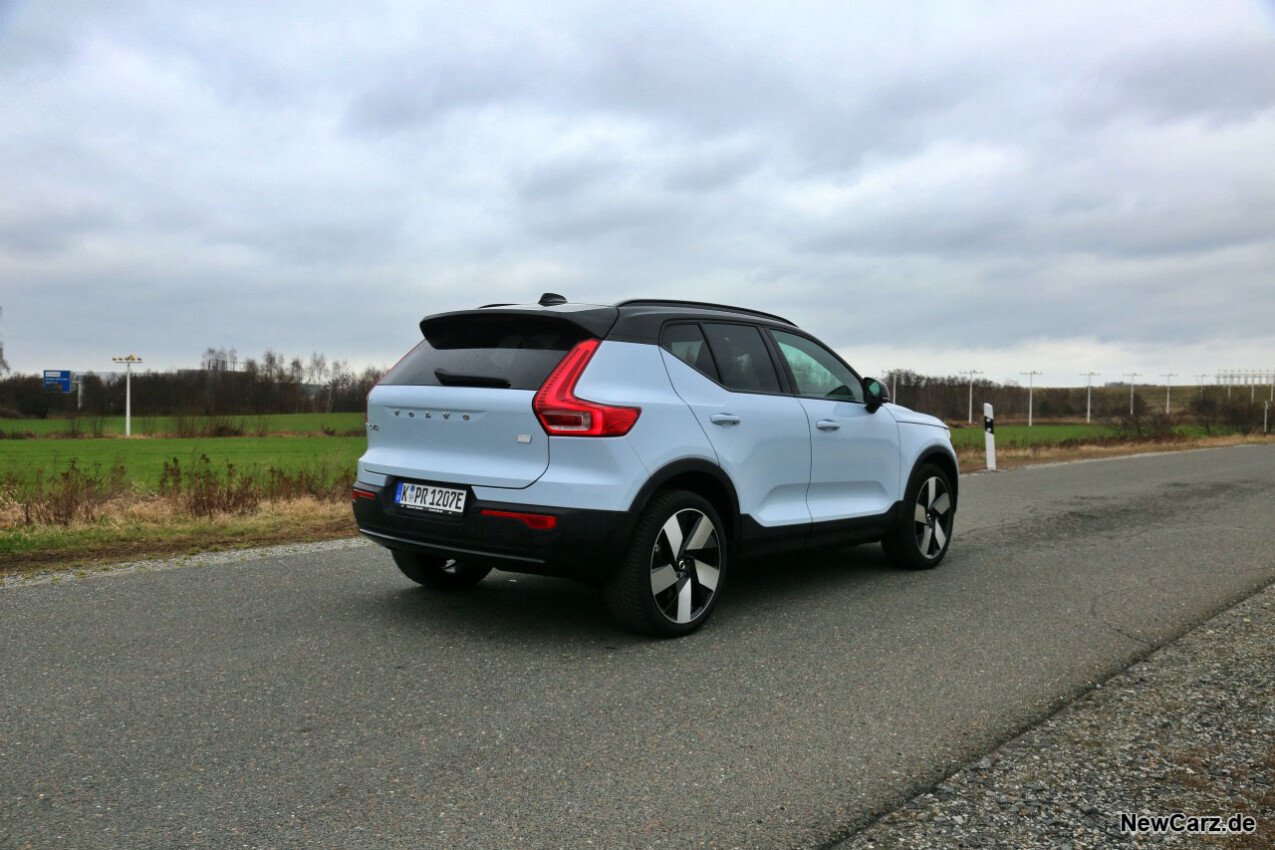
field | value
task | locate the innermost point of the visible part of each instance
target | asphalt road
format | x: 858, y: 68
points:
x: 322, y: 700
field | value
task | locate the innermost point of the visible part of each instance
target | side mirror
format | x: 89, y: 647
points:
x: 874, y: 393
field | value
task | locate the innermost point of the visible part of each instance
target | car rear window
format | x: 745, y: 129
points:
x: 499, y: 351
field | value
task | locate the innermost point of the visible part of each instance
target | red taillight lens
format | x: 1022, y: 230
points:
x: 562, y: 414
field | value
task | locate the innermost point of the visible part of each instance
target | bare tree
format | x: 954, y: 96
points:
x: 4, y: 364
x: 316, y: 371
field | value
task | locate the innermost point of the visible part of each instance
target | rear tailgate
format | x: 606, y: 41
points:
x: 458, y: 408
x: 463, y: 435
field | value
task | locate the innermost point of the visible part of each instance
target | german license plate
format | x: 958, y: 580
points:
x: 426, y: 497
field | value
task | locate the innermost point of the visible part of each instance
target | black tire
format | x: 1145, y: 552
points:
x: 437, y: 572
x: 672, y: 573
x: 924, y: 532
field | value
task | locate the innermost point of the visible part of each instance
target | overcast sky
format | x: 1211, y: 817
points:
x: 943, y: 186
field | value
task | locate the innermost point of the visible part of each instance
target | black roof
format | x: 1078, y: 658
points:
x: 633, y: 320
x: 674, y: 304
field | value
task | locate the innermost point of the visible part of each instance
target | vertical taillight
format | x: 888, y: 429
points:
x: 562, y: 414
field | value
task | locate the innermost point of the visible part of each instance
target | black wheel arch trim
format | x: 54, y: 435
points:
x: 946, y: 460
x: 694, y: 466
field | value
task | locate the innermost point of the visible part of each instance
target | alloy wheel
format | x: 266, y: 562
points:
x: 932, y: 517
x: 685, y: 565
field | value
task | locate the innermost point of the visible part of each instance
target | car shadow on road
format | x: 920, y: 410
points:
x: 509, y: 606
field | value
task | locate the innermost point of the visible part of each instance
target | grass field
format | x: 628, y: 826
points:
x: 1021, y: 435
x: 112, y: 426
x: 143, y: 459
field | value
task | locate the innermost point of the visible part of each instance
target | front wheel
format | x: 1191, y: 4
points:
x: 924, y: 531
x: 672, y: 573
x: 437, y: 572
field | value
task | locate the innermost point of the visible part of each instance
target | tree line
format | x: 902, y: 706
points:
x: 1237, y: 408
x: 225, y: 385
x: 222, y: 385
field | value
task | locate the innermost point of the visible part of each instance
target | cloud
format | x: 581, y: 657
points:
x: 937, y: 177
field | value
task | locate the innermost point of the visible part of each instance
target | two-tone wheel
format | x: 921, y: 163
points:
x: 673, y: 571
x: 924, y: 530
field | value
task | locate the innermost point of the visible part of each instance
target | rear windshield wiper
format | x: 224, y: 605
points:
x: 453, y: 379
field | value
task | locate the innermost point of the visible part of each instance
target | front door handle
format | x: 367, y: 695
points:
x: 827, y: 425
x: 724, y: 419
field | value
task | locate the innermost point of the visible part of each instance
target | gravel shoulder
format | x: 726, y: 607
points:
x: 1189, y: 729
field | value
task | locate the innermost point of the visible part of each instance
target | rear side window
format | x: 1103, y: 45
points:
x: 742, y: 358
x: 504, y: 352
x: 686, y: 343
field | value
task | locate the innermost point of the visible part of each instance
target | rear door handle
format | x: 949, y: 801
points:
x: 724, y: 419
x: 827, y: 425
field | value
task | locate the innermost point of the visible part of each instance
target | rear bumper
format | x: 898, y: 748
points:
x: 584, y: 544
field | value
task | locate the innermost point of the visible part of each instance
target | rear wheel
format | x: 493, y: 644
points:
x: 924, y: 532
x: 672, y: 573
x: 437, y: 572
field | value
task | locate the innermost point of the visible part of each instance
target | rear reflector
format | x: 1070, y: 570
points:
x: 357, y: 494
x: 540, y: 522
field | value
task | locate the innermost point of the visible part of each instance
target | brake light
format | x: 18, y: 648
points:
x: 563, y: 414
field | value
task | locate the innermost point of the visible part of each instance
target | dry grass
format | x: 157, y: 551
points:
x: 973, y: 460
x: 151, y: 526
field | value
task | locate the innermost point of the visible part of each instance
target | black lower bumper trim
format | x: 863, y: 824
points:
x: 584, y: 544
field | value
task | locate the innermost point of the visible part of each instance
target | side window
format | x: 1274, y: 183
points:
x: 742, y: 358
x: 686, y: 343
x: 817, y: 371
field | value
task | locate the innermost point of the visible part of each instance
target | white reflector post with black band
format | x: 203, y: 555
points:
x: 989, y: 430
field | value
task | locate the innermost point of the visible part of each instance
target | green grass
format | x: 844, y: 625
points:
x: 1021, y: 435
x: 144, y: 460
x: 288, y: 423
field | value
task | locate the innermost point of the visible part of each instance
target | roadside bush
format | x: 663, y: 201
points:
x: 1143, y: 423
x: 187, y: 425
x: 201, y: 490
x: 320, y: 482
x: 74, y: 493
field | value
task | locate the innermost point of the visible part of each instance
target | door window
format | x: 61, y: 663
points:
x: 742, y: 358
x: 817, y: 372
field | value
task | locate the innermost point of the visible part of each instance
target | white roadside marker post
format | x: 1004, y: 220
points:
x: 989, y: 435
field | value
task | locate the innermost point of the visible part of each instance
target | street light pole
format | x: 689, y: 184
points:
x: 1168, y: 379
x: 971, y: 373
x: 1089, y: 393
x: 1200, y: 376
x: 1030, y: 375
x: 1131, y: 376
x: 128, y: 390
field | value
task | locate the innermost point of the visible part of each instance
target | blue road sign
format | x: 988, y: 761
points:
x: 57, y: 379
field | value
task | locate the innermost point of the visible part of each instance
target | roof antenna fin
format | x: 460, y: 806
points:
x: 551, y: 299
